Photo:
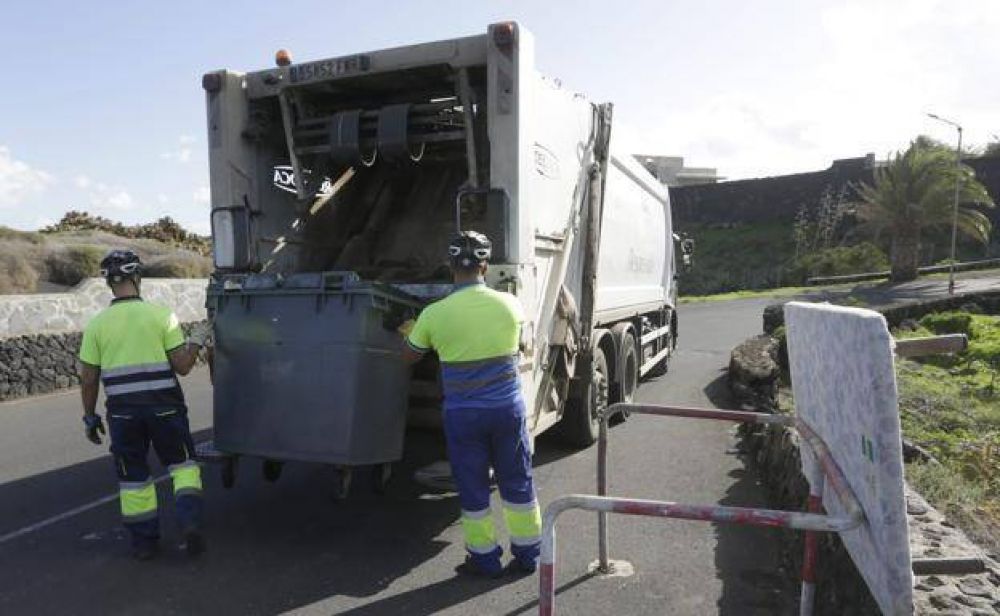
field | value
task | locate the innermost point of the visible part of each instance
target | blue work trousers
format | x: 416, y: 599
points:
x: 132, y: 431
x: 481, y: 438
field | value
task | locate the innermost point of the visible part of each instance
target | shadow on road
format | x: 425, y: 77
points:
x: 717, y: 391
x: 272, y: 547
x: 745, y: 556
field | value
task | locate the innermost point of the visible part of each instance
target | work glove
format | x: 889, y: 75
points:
x: 94, y: 424
x: 406, y: 327
x: 201, y: 335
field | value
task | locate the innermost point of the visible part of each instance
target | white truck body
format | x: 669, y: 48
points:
x: 523, y: 137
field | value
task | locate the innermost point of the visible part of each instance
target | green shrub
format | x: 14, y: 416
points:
x: 16, y: 273
x: 72, y: 264
x: 984, y: 343
x: 839, y: 261
x: 948, y: 322
x: 163, y: 230
x: 179, y: 265
x: 943, y: 485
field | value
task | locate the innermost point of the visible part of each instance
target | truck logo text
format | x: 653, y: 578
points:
x: 546, y: 163
x: 284, y: 179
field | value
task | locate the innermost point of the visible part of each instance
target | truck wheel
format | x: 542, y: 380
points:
x: 272, y: 470
x: 341, y: 483
x: 579, y: 425
x: 629, y: 381
x: 228, y: 472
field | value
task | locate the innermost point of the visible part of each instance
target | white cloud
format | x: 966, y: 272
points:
x: 103, y: 198
x: 115, y: 199
x: 162, y: 199
x: 885, y: 63
x: 201, y: 195
x: 183, y: 150
x: 19, y: 181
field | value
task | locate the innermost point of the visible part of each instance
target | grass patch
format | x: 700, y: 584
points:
x: 72, y: 264
x: 737, y: 256
x: 16, y: 272
x: 950, y: 405
x: 67, y: 254
x: 747, y: 294
x: 180, y: 265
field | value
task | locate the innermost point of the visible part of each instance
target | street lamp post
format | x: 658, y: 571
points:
x: 958, y: 188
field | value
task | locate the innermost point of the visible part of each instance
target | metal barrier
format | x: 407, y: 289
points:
x: 811, y: 521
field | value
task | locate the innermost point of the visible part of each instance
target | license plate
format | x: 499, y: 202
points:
x: 328, y: 69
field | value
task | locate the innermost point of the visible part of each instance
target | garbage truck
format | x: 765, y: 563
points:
x: 336, y: 185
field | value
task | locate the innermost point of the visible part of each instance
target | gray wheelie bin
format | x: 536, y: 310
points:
x: 307, y: 367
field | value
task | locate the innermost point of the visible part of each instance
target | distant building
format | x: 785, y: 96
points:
x: 671, y: 170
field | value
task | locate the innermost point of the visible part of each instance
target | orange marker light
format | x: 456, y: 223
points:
x: 283, y: 57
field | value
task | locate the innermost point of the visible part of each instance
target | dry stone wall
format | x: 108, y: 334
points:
x: 47, y: 313
x: 40, y: 334
x: 774, y: 453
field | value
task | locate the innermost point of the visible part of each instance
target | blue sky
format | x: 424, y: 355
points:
x: 102, y: 106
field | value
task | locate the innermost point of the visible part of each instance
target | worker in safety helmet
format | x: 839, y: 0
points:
x: 475, y: 332
x: 137, y: 349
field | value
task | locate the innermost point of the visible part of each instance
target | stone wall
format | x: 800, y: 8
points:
x: 778, y: 199
x: 774, y: 453
x: 40, y: 334
x: 988, y: 301
x: 47, y: 313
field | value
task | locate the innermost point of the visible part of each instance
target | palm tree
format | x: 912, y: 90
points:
x: 915, y: 191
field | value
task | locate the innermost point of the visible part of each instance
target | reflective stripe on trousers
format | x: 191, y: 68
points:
x: 138, y: 500
x: 524, y: 521
x: 186, y: 478
x: 480, y: 535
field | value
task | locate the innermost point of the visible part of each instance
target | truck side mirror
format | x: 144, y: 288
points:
x: 231, y: 238
x: 485, y: 210
x: 687, y: 253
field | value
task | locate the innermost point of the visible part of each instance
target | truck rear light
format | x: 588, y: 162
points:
x: 503, y: 37
x: 211, y: 82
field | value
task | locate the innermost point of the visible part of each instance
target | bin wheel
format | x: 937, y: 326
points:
x: 381, y: 476
x: 272, y: 470
x: 229, y: 472
x: 341, y: 483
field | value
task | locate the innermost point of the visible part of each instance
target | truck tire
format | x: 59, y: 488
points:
x: 628, y: 362
x: 579, y: 426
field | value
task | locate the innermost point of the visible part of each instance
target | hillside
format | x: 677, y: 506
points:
x: 58, y: 257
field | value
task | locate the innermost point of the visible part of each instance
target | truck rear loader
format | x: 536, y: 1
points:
x: 336, y: 185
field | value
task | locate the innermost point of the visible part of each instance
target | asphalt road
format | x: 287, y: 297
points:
x: 286, y: 547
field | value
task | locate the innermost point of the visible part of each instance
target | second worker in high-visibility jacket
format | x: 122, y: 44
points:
x: 137, y: 349
x: 475, y: 332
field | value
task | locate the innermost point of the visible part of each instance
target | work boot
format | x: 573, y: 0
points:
x: 469, y: 567
x: 520, y: 567
x: 194, y: 542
